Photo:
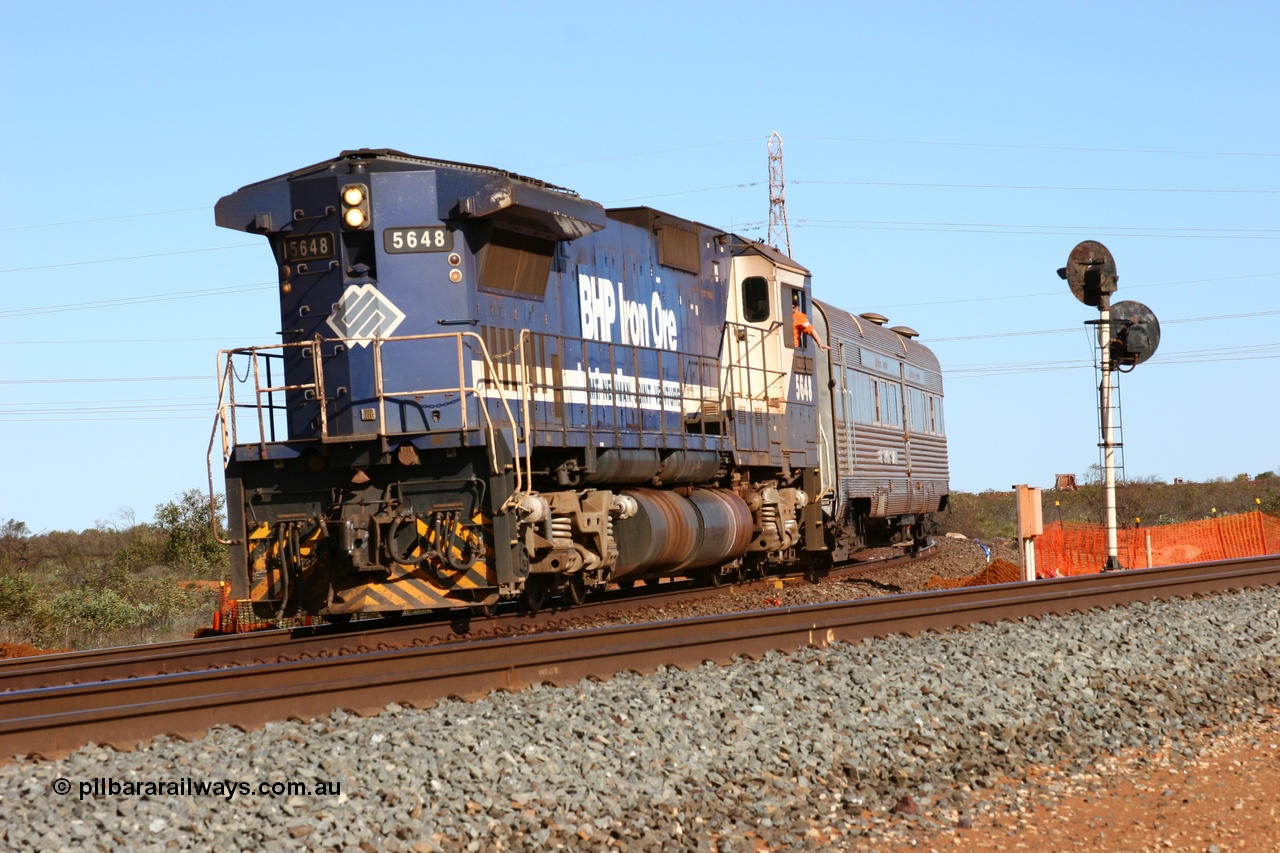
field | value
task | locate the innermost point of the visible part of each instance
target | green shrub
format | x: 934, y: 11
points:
x: 18, y: 597
x: 189, y: 541
x: 103, y: 609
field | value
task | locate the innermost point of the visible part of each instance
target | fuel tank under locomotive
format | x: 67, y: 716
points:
x: 625, y: 530
x: 674, y: 532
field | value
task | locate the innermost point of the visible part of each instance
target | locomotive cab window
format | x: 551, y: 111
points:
x: 515, y: 263
x: 755, y: 299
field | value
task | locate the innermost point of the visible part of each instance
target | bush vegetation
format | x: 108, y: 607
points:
x: 121, y: 582
x: 992, y: 515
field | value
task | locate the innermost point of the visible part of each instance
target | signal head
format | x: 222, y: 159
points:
x: 1091, y: 272
x: 1135, y: 333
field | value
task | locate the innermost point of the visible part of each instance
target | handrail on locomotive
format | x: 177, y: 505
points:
x: 748, y: 363
x: 225, y: 421
x: 749, y: 360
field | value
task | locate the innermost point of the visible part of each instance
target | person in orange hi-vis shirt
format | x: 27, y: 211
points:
x: 802, y: 325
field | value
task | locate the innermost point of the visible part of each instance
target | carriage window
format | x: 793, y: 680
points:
x: 864, y: 397
x: 755, y: 299
x: 893, y: 407
x: 919, y: 410
x: 924, y: 412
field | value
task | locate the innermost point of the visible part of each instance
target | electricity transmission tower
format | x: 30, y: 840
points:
x: 779, y: 230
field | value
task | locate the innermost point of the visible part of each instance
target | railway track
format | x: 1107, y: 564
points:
x: 111, y: 664
x: 53, y: 720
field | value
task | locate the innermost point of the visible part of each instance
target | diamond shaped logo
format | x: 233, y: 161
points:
x: 363, y: 314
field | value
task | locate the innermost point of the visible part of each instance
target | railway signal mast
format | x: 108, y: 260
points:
x: 1128, y: 334
x: 779, y: 230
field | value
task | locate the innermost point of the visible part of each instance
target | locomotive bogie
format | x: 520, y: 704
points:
x: 489, y: 388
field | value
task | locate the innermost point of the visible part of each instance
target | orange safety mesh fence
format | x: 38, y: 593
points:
x: 1067, y: 548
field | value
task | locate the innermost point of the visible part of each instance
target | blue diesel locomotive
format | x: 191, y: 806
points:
x: 490, y: 388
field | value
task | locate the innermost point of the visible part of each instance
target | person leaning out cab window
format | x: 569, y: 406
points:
x: 803, y: 327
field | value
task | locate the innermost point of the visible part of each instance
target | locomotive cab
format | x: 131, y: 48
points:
x: 766, y: 373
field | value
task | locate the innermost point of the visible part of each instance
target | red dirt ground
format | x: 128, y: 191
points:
x: 22, y: 650
x: 1224, y: 800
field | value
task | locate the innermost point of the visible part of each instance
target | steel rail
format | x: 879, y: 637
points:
x: 56, y: 720
x: 91, y: 665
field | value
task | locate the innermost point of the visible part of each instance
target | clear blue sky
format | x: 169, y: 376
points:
x: 941, y: 161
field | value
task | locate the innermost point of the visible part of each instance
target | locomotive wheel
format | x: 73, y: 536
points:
x: 535, y: 593
x: 574, y: 591
x: 488, y: 611
x: 712, y: 578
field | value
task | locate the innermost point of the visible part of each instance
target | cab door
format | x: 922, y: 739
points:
x: 757, y: 353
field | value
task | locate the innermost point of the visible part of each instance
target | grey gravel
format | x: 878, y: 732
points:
x: 802, y: 751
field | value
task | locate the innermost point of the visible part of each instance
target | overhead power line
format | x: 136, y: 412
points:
x: 687, y: 192
x: 31, y: 410
x: 130, y: 258
x: 101, y: 219
x: 205, y: 377
x: 1087, y: 364
x: 84, y: 341
x: 96, y: 419
x: 113, y: 400
x: 1041, y: 188
x: 134, y: 300
x: 1031, y: 230
x: 988, y: 335
x: 1059, y: 292
x: 1073, y: 228
x: 952, y: 143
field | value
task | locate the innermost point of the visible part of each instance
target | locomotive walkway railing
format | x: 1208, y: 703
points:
x: 623, y: 380
x: 265, y: 409
x: 741, y: 376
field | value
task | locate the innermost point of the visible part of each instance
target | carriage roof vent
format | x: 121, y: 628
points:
x: 878, y: 319
x: 905, y: 331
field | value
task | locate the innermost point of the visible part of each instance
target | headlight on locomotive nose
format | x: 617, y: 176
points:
x: 353, y: 196
x: 355, y: 206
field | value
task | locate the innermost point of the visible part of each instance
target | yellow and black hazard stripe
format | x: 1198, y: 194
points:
x: 464, y: 541
x: 266, y: 564
x: 432, y: 584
